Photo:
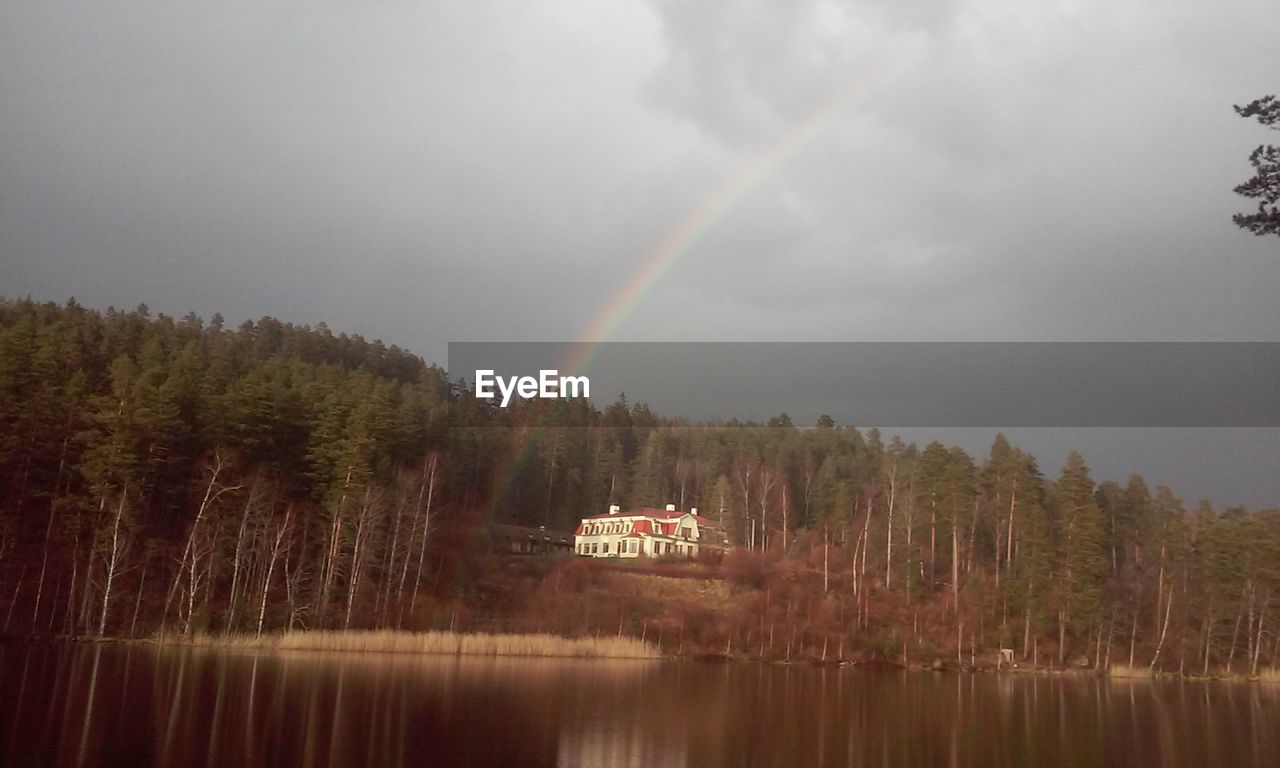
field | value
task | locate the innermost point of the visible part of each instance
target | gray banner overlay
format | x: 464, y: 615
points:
x: 906, y: 384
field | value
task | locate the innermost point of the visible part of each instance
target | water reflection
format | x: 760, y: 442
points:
x: 117, y: 705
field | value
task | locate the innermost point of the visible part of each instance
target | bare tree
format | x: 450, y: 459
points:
x: 13, y: 603
x: 198, y: 578
x: 137, y: 600
x: 212, y: 491
x: 360, y: 547
x: 891, y: 477
x: 113, y: 559
x: 1164, y: 629
x: 768, y: 479
x: 279, y: 545
x: 743, y: 473
x: 1257, y: 646
x: 333, y: 549
x: 392, y: 551
x: 238, y: 567
x: 44, y: 557
x: 430, y: 470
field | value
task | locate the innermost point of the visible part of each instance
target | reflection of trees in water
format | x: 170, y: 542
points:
x: 104, y: 704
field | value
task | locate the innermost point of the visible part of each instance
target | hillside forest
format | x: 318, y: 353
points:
x: 162, y: 474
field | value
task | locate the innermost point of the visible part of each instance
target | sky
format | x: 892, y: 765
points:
x: 432, y: 172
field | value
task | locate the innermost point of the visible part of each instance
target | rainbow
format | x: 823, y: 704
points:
x: 747, y: 177
x: 683, y: 240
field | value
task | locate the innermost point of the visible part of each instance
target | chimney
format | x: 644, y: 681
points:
x: 671, y: 507
x: 693, y: 510
x: 614, y: 509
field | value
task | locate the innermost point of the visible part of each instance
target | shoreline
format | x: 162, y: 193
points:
x: 544, y: 645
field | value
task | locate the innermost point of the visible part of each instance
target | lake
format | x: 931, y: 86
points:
x: 101, y: 704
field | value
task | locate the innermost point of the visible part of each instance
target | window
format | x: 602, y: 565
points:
x: 606, y: 548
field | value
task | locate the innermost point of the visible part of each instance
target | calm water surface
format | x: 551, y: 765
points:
x: 66, y: 704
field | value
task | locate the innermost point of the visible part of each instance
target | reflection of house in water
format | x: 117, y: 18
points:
x: 522, y: 540
x: 646, y: 533
x: 624, y: 744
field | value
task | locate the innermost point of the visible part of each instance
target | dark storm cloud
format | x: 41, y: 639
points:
x: 423, y: 172
x: 1032, y: 172
x: 400, y: 171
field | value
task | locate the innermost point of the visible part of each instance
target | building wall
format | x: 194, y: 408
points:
x: 612, y: 539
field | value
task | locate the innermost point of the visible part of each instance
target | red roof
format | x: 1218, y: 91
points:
x: 639, y: 526
x: 660, y: 514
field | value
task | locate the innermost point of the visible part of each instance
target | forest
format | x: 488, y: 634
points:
x: 165, y: 475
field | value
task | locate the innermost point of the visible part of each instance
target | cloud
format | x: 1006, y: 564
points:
x: 427, y: 172
x: 1036, y: 171
x: 431, y: 171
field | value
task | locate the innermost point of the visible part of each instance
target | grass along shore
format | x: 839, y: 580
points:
x: 451, y: 643
x: 555, y: 646
x: 1264, y: 675
x: 1131, y: 672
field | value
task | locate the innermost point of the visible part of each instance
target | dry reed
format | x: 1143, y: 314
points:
x: 1269, y: 675
x: 1124, y: 670
x: 453, y: 643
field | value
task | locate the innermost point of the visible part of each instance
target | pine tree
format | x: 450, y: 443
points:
x: 1083, y: 564
x: 1265, y: 184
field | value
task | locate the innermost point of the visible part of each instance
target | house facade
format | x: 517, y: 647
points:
x: 645, y: 532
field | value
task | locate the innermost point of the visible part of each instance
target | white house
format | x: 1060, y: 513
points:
x: 644, y: 532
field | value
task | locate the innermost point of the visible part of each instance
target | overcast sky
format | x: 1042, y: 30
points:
x: 425, y: 172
